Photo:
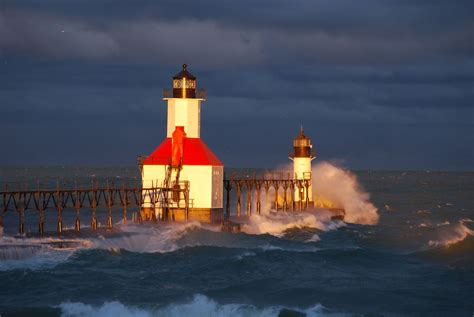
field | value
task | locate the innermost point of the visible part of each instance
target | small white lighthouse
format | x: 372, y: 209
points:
x: 302, y: 156
x: 183, y: 160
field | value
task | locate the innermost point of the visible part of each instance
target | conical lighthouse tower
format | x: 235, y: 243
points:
x: 182, y: 163
x: 302, y: 156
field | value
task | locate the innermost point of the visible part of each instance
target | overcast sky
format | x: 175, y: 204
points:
x: 378, y: 84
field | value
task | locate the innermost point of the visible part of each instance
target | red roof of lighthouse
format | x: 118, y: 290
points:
x: 196, y: 152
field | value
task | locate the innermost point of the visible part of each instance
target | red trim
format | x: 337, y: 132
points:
x: 196, y: 152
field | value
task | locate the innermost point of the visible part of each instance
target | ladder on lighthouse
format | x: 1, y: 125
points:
x: 171, y: 191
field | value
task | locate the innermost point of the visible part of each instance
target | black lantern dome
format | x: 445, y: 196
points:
x: 184, y: 84
x: 302, y: 145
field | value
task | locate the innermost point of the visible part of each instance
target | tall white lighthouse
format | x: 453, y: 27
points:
x: 183, y: 161
x: 302, y: 156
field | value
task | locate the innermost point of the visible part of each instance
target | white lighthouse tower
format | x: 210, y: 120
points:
x: 302, y: 156
x: 183, y: 161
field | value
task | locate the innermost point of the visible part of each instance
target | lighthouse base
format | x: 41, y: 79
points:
x: 206, y: 215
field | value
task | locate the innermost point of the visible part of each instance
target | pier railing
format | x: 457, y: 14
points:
x: 246, y: 191
x: 22, y: 198
x: 279, y: 188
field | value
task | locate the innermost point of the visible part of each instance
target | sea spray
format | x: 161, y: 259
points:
x: 334, y: 187
x: 276, y: 223
x: 341, y: 188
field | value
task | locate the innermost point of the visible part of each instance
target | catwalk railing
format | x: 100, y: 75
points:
x: 245, y: 190
x: 21, y: 198
x: 279, y: 188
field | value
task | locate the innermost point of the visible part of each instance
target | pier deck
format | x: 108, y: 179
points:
x: 244, y: 191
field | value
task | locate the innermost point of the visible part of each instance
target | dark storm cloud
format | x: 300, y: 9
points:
x: 428, y: 15
x: 379, y: 77
x: 371, y: 32
x: 62, y: 37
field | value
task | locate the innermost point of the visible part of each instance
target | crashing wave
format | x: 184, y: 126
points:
x: 458, y: 233
x: 147, y: 238
x: 342, y: 188
x: 200, y: 305
x: 335, y: 187
x: 277, y: 223
x: 38, y: 253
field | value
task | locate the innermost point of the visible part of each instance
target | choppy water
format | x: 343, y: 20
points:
x: 417, y: 261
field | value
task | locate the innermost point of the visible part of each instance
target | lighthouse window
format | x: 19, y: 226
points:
x: 177, y: 83
x: 190, y: 84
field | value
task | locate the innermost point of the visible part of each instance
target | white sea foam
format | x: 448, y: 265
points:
x: 18, y: 253
x: 200, y: 305
x: 456, y: 233
x: 431, y: 225
x: 39, y: 253
x: 244, y: 255
x: 314, y: 238
x: 276, y: 223
x: 145, y: 238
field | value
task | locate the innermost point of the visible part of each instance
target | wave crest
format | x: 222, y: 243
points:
x: 458, y: 233
x: 200, y: 305
x: 147, y: 238
x: 39, y: 253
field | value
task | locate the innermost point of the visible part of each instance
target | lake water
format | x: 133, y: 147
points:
x: 416, y: 259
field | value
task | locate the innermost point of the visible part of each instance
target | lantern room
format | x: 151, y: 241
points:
x: 302, y: 145
x: 184, y: 84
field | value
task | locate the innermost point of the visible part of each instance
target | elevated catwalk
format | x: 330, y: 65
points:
x: 124, y: 201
